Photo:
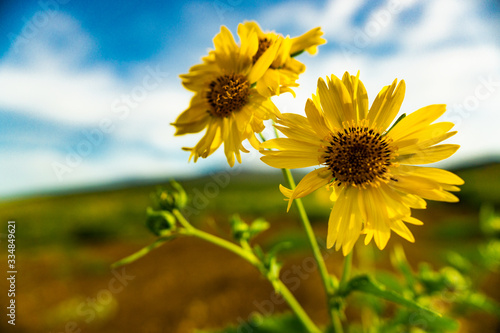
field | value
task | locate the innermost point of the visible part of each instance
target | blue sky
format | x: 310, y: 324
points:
x: 88, y: 88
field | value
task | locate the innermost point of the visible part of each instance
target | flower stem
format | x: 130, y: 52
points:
x: 141, y: 253
x: 347, y: 271
x: 310, y: 235
x: 325, y: 277
x: 248, y: 255
x: 297, y: 308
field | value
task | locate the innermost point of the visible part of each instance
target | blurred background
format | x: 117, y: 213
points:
x: 88, y: 90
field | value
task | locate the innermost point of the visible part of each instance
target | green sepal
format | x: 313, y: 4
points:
x: 293, y: 55
x: 158, y: 221
x: 239, y: 228
x: 401, y: 117
x: 170, y: 198
x: 181, y: 197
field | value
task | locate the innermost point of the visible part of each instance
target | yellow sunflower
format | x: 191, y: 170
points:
x: 284, y: 69
x: 226, y: 102
x: 371, y: 169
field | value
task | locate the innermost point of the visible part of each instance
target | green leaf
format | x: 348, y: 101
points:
x: 489, y: 221
x: 406, y: 320
x: 257, y: 226
x: 414, y: 315
x: 259, y: 324
x: 480, y: 301
x: 279, y: 247
x: 259, y: 253
x: 295, y: 240
x: 458, y: 262
x: 364, y: 301
x: 490, y: 254
x: 399, y: 261
x: 366, y: 284
x: 447, y: 279
x: 389, y: 280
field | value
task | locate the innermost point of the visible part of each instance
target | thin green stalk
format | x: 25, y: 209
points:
x: 310, y: 235
x: 141, y: 253
x: 325, y: 277
x: 182, y: 220
x: 297, y: 308
x: 248, y: 256
x: 347, y: 271
x: 251, y: 258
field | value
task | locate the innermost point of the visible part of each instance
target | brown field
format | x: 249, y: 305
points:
x: 66, y: 244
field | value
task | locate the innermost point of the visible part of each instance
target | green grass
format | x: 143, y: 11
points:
x: 120, y: 213
x: 482, y: 184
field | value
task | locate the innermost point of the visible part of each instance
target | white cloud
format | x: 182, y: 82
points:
x: 446, y: 21
x: 50, y: 82
x: 435, y: 70
x: 40, y: 75
x: 335, y: 18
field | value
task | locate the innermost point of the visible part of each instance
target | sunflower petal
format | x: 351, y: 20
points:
x: 428, y: 155
x: 358, y: 93
x: 417, y: 120
x: 316, y: 120
x: 264, y: 62
x: 387, y: 105
x: 311, y: 182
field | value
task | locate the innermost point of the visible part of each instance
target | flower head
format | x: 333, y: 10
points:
x: 370, y: 169
x: 284, y: 69
x: 226, y: 102
x: 233, y: 85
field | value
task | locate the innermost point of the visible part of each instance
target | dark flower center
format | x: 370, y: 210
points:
x: 358, y: 156
x: 228, y: 93
x: 264, y: 44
